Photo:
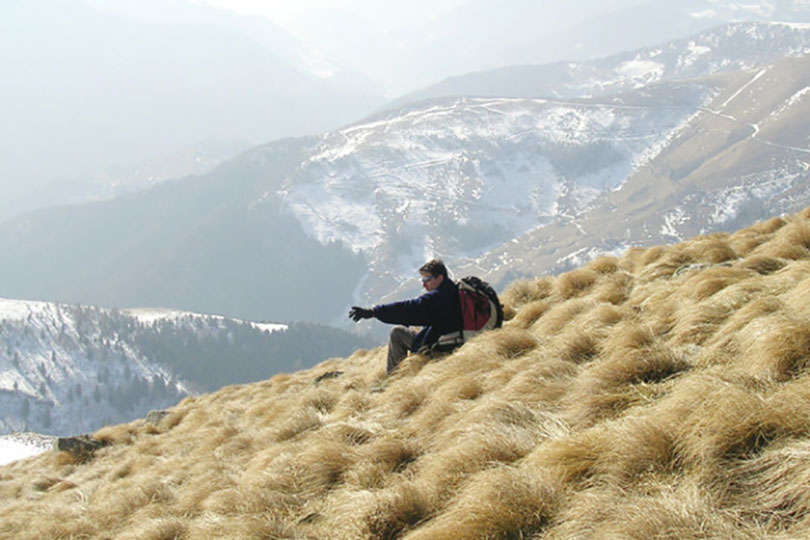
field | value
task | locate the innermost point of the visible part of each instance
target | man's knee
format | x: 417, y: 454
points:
x: 402, y: 339
x: 402, y: 336
x: 398, y: 332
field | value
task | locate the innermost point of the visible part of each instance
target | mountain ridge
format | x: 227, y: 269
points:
x: 711, y: 51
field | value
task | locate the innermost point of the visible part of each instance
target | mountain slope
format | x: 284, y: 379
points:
x: 743, y: 157
x: 460, y: 177
x: 68, y: 369
x: 213, y: 244
x: 660, y: 394
x: 723, y: 49
x: 63, y: 370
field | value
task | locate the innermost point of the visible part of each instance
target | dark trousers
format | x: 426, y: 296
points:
x: 400, y: 342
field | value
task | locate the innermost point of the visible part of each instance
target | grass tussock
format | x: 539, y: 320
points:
x: 772, y: 488
x: 702, y: 285
x: 529, y: 314
x: 575, y: 283
x: 696, y: 324
x: 578, y: 344
x: 605, y: 265
x: 797, y: 233
x: 795, y: 299
x: 742, y: 425
x: 779, y: 347
x: 158, y: 529
x: 613, y: 289
x: 559, y: 316
x: 662, y: 394
x: 571, y: 460
x: 519, y: 504
x: 762, y: 264
x: 398, y: 510
x: 520, y: 293
x: 709, y: 249
x: 626, y: 377
x: 377, y: 462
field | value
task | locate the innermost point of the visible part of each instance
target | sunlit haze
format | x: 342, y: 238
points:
x: 104, y: 97
x: 383, y: 14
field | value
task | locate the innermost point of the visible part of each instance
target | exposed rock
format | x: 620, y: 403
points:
x: 327, y: 375
x: 155, y: 417
x: 82, y: 446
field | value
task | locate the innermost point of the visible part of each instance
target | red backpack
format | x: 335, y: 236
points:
x: 480, y: 311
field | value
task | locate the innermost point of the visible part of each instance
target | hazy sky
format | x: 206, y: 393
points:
x: 385, y: 14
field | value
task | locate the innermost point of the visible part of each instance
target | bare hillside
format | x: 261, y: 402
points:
x: 664, y: 394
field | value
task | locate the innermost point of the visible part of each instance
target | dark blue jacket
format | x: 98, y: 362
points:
x: 437, y: 311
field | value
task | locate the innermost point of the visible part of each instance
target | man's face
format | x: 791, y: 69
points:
x: 431, y: 282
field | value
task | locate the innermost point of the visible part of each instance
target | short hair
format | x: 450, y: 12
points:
x: 435, y: 268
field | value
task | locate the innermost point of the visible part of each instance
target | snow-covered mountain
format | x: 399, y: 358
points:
x: 70, y: 369
x: 64, y: 372
x: 723, y: 49
x: 478, y: 35
x: 456, y: 176
x: 459, y: 177
x: 743, y: 157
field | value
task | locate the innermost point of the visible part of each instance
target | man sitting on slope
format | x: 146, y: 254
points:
x: 438, y: 312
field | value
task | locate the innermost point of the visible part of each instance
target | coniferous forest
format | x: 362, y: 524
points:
x: 70, y: 368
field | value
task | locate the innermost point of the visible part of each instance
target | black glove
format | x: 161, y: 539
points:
x: 357, y: 313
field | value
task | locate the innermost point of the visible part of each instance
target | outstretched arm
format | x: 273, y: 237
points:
x: 415, y: 312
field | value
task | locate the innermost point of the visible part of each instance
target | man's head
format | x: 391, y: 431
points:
x: 433, y: 273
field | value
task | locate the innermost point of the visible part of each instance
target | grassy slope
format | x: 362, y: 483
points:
x: 664, y: 393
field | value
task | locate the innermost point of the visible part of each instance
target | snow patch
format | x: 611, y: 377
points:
x: 790, y: 102
x: 67, y: 369
x: 17, y: 446
x: 149, y: 316
x: 693, y: 54
x: 672, y: 220
x: 727, y: 203
x: 742, y: 89
x: 641, y: 71
x: 269, y: 327
x: 452, y: 164
x: 795, y: 98
x: 583, y: 256
x: 18, y: 310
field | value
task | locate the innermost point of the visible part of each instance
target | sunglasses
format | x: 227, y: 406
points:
x: 425, y: 279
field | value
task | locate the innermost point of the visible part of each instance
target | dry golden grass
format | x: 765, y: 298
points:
x: 663, y: 394
x: 524, y: 292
